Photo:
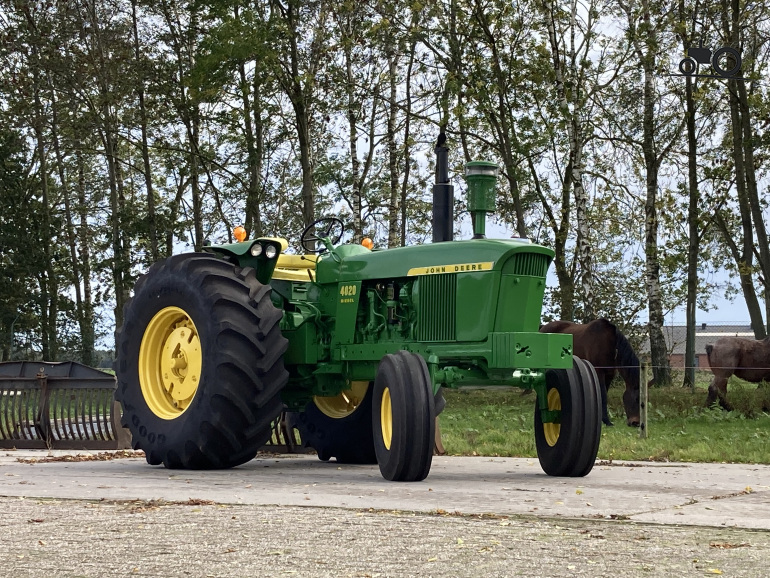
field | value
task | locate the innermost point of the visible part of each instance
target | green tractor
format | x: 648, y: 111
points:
x: 357, y: 343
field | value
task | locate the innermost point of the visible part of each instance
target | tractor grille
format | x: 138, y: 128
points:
x: 437, y: 318
x: 530, y: 264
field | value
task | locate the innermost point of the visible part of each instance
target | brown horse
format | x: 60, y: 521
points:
x: 748, y: 359
x: 608, y: 350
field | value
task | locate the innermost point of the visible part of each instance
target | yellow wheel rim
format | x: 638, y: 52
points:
x: 386, y: 418
x: 551, y: 430
x: 170, y: 362
x: 345, y: 403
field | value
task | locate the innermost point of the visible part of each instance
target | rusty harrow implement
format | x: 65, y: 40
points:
x: 59, y: 406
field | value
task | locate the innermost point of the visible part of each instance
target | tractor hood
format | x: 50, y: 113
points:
x: 469, y: 256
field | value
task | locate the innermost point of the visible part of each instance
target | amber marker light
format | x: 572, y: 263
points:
x: 240, y: 234
x: 367, y: 242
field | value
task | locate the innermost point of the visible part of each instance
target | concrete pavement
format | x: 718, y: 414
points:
x: 719, y: 495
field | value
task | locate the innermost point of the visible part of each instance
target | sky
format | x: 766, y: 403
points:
x: 726, y: 312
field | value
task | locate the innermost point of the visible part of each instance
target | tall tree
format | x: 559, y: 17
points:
x: 568, y: 70
x: 751, y: 210
x: 644, y: 30
x: 301, y: 43
x: 183, y: 28
x: 16, y: 261
x: 140, y: 65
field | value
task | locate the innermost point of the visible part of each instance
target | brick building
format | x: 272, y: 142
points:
x: 705, y: 334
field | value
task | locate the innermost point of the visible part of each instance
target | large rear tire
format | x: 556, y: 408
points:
x: 340, y: 427
x: 569, y: 448
x: 403, y: 417
x: 200, y: 363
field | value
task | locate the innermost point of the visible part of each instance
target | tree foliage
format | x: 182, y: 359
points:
x: 136, y: 129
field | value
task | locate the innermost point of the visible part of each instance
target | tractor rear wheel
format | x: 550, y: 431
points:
x: 403, y: 417
x: 569, y: 448
x: 341, y: 426
x: 200, y: 363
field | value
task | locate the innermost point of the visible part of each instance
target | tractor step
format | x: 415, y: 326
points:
x: 64, y: 405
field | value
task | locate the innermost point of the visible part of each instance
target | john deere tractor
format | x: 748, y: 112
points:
x: 358, y: 342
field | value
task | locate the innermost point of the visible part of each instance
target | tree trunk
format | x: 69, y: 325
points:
x: 660, y: 362
x: 116, y: 210
x: 584, y: 249
x: 355, y: 164
x: 49, y: 291
x: 565, y: 293
x: 301, y: 95
x: 253, y: 222
x: 195, y: 190
x: 760, y: 331
x: 84, y: 323
x: 407, y: 106
x: 392, y: 154
x: 752, y: 194
x: 87, y: 335
x: 744, y: 257
x: 573, y: 177
x: 693, y: 241
x: 693, y: 245
x: 152, y: 226
x: 746, y: 183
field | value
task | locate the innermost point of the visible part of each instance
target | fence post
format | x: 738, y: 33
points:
x: 42, y: 421
x: 643, y: 402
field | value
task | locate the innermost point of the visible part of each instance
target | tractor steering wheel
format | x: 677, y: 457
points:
x: 330, y: 228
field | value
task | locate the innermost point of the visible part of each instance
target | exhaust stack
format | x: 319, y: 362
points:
x: 443, y: 194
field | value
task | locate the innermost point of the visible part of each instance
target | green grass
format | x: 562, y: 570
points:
x: 490, y: 422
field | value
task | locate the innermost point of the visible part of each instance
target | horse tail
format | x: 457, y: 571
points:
x: 709, y: 348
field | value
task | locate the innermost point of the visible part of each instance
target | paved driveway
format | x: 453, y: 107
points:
x: 472, y: 516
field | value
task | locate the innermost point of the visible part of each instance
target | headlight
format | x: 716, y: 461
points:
x: 256, y: 250
x: 271, y: 252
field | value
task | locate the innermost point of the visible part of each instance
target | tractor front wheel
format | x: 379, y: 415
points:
x: 200, y: 363
x: 403, y: 417
x: 340, y: 426
x: 569, y: 448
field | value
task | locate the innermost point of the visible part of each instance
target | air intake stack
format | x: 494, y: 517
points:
x: 481, y: 177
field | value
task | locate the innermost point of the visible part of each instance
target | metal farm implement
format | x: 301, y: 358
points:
x: 59, y: 406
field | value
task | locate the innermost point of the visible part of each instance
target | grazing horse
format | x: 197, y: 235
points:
x: 748, y: 359
x: 608, y: 350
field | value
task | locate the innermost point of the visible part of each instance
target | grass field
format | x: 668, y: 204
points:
x: 680, y: 428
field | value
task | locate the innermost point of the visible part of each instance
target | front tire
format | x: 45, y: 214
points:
x: 569, y: 448
x: 403, y: 417
x: 592, y: 433
x: 200, y: 363
x: 341, y: 426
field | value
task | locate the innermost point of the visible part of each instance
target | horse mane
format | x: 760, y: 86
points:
x: 625, y: 355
